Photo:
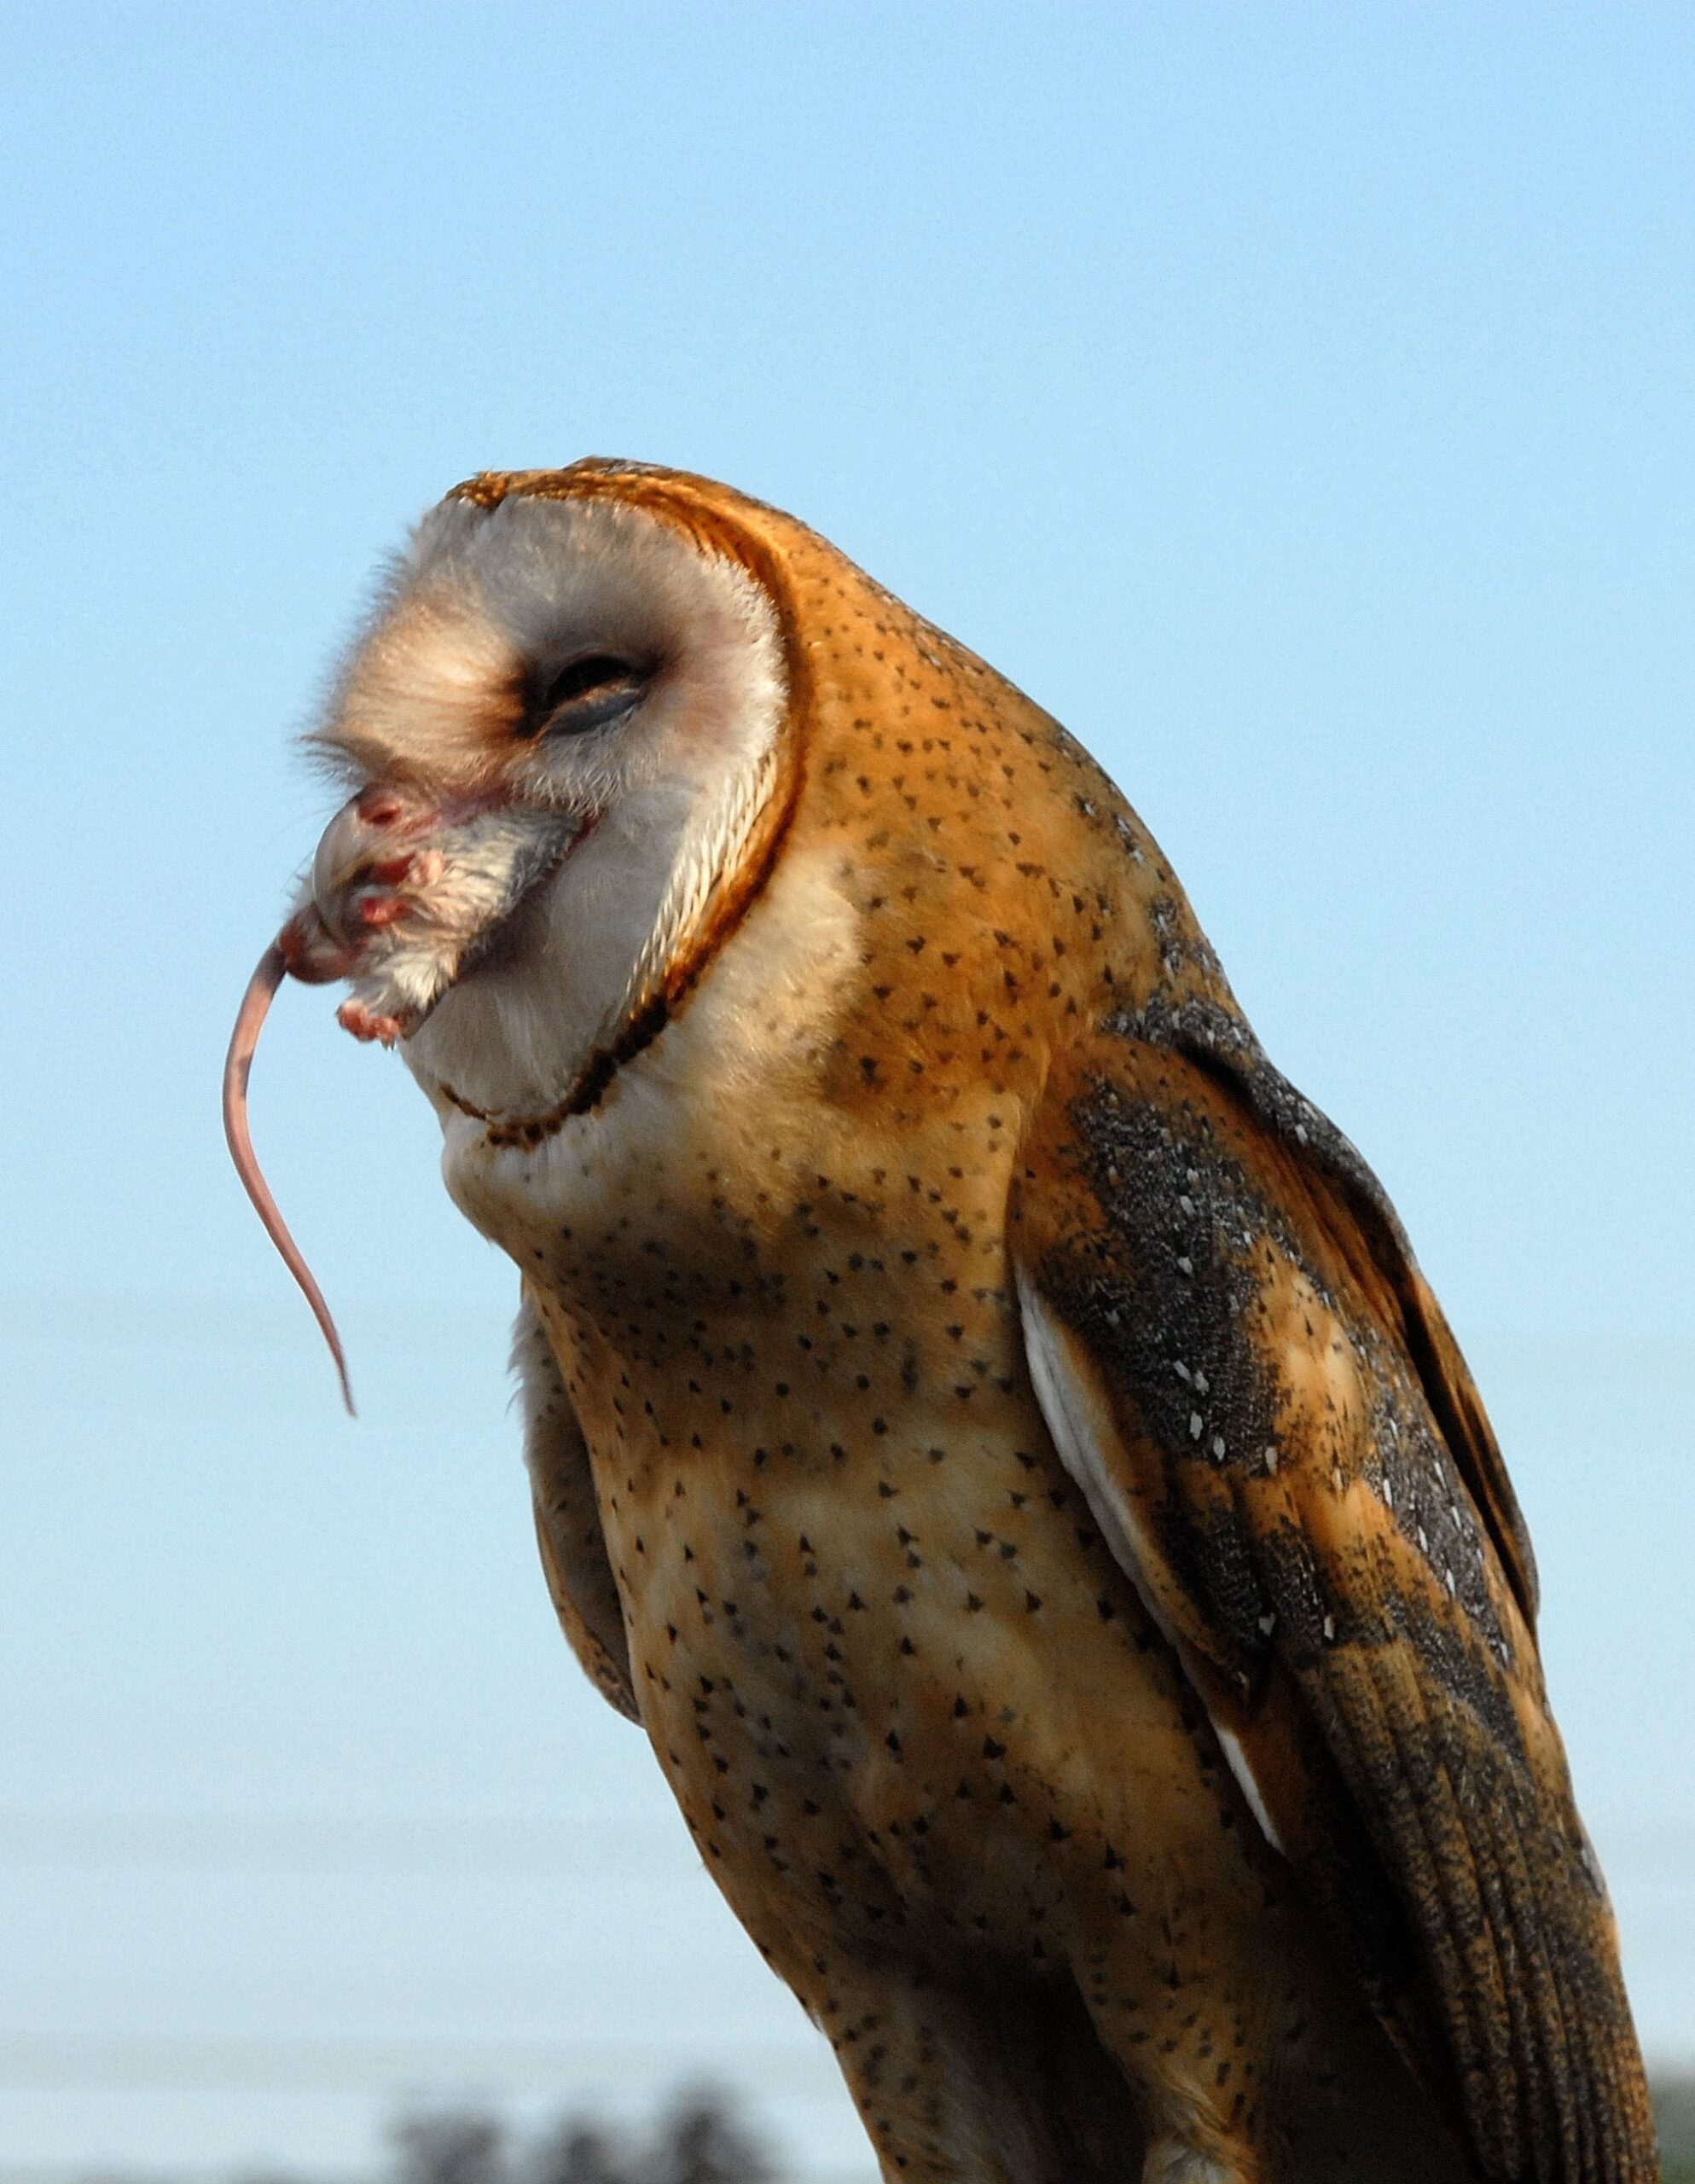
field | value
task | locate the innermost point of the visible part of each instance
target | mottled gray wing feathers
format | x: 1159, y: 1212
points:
x: 1365, y: 1227
x: 1222, y: 1341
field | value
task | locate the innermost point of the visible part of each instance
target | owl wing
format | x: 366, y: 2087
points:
x: 574, y: 1560
x: 1243, y: 1370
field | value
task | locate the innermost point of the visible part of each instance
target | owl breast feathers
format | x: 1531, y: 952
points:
x: 985, y: 1426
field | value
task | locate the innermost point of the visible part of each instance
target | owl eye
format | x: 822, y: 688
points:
x: 591, y: 692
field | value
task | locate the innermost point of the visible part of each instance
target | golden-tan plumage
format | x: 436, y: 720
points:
x: 993, y: 1434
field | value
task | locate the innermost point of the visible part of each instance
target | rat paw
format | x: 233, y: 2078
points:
x: 369, y: 1024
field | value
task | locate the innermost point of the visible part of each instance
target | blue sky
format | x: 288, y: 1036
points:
x: 1297, y: 400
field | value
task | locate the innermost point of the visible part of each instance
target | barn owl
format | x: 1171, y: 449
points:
x: 985, y: 1426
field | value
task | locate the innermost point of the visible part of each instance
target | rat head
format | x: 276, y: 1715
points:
x: 559, y: 731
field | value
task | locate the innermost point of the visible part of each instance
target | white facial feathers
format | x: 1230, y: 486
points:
x: 484, y: 610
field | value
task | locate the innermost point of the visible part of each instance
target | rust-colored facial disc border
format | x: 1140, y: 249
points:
x: 706, y: 514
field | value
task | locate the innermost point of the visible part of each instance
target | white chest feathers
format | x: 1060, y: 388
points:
x: 740, y: 1063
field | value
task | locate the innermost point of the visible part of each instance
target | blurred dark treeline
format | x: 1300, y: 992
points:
x: 1675, y: 2106
x: 701, y: 2138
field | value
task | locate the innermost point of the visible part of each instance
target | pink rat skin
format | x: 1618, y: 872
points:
x: 274, y: 966
x: 367, y: 876
x: 375, y: 889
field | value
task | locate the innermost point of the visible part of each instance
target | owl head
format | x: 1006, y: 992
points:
x: 563, y: 732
